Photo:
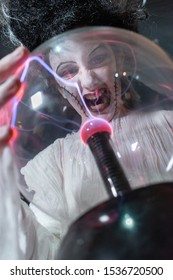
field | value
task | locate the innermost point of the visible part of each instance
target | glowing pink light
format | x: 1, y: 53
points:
x: 94, y: 126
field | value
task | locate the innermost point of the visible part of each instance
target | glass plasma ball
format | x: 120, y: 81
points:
x: 98, y: 73
x: 106, y: 73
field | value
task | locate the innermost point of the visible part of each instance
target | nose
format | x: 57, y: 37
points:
x: 88, y: 80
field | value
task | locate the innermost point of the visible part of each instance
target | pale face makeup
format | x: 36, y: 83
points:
x: 92, y: 66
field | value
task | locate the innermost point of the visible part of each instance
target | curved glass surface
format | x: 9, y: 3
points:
x: 88, y: 73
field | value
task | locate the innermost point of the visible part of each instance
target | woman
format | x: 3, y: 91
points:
x: 31, y: 240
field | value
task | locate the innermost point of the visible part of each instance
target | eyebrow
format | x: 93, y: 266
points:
x: 100, y: 46
x: 62, y: 63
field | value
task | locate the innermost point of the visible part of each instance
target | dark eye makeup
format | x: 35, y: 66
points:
x: 67, y: 70
x: 98, y: 57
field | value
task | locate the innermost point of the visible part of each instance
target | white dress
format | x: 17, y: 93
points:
x: 67, y: 183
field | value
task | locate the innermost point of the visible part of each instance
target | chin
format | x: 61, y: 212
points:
x: 107, y: 115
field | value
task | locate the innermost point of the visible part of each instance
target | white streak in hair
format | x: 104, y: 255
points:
x: 5, y: 21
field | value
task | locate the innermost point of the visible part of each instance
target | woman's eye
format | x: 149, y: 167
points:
x: 68, y: 73
x: 98, y: 60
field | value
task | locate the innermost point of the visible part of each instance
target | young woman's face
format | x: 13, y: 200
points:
x: 92, y: 66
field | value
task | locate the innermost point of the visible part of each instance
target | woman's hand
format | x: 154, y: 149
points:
x: 9, y: 84
x: 10, y: 207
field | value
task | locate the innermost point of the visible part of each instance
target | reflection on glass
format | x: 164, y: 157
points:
x: 128, y: 221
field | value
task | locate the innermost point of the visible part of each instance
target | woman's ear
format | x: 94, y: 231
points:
x: 125, y: 60
x: 129, y: 96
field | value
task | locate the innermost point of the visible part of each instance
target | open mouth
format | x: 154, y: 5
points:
x: 99, y: 100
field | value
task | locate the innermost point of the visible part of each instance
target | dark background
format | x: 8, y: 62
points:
x: 159, y: 26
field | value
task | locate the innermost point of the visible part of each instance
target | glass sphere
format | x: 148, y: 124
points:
x: 93, y: 73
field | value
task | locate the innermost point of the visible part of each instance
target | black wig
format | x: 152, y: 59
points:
x: 31, y: 22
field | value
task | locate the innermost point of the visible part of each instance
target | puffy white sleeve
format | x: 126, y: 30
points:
x: 44, y: 176
x: 38, y: 242
x: 22, y: 236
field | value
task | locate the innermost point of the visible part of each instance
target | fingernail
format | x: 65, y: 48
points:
x: 19, y: 52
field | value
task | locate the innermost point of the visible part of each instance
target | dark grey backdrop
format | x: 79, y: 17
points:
x: 159, y: 27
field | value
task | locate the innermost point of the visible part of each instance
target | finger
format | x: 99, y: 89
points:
x: 8, y: 89
x: 11, y: 62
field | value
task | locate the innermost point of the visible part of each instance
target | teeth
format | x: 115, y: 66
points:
x: 91, y: 97
x: 98, y: 100
x: 96, y: 94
